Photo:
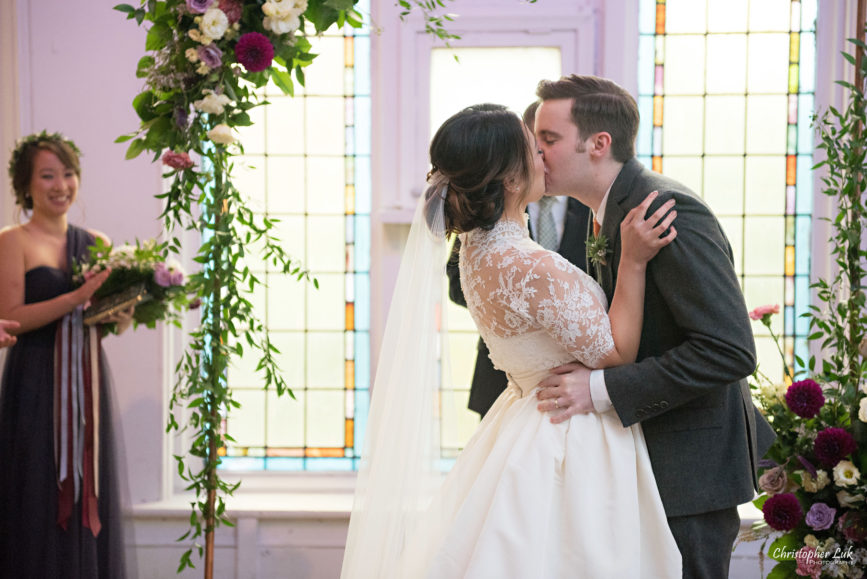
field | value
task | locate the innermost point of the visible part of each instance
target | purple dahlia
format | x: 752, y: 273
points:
x: 783, y: 512
x: 833, y: 445
x: 254, y: 51
x: 805, y: 398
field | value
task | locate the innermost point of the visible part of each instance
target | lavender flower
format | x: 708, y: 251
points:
x: 820, y: 516
x: 199, y: 6
x: 210, y: 55
x: 162, y: 276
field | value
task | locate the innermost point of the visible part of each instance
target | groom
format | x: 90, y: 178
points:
x: 688, y: 388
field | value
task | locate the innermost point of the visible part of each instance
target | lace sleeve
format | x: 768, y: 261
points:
x: 571, y: 308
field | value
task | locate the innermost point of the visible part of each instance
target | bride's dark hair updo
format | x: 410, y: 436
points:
x: 473, y: 153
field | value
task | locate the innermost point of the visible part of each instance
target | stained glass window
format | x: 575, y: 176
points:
x: 307, y: 163
x: 726, y: 91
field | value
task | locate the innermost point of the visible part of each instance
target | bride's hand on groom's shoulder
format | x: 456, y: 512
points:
x: 565, y: 392
x: 643, y: 238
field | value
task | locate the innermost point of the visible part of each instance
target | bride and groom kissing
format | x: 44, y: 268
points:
x: 626, y: 437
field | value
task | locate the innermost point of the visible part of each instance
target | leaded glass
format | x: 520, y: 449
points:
x: 307, y: 164
x: 731, y: 119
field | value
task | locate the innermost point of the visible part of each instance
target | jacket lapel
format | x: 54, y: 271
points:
x: 615, y: 212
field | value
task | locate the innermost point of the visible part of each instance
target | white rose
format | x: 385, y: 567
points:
x: 213, y: 103
x: 846, y: 474
x: 282, y: 25
x: 214, y: 23
x: 862, y: 410
x: 222, y: 134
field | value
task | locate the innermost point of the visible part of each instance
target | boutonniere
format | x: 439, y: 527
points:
x: 597, y: 250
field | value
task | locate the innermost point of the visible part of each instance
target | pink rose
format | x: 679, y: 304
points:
x: 232, y: 9
x: 809, y: 564
x: 177, y: 160
x: 162, y: 276
x: 762, y: 311
x: 774, y: 481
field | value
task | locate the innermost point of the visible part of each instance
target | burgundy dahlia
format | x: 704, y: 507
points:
x: 833, y: 445
x: 853, y: 525
x: 805, y: 398
x: 783, y: 512
x: 254, y: 51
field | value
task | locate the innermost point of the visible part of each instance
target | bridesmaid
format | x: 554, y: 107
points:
x: 60, y: 512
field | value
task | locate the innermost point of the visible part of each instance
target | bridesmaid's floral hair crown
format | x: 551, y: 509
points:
x: 24, y: 143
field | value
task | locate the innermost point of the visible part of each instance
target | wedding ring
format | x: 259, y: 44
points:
x: 556, y: 403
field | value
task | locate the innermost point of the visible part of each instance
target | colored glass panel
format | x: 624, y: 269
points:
x: 307, y: 164
x: 732, y: 121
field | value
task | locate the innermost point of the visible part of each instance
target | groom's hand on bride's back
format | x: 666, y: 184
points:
x: 565, y: 392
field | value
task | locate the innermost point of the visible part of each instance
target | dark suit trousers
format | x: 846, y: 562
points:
x: 705, y: 542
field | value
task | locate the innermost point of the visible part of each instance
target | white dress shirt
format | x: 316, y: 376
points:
x: 598, y: 390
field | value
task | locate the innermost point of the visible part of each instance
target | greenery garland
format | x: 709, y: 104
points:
x: 206, y: 59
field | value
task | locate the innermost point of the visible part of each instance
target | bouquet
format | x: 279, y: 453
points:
x: 139, y: 277
x: 812, y: 490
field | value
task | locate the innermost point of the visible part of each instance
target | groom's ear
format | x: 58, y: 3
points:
x: 600, y: 144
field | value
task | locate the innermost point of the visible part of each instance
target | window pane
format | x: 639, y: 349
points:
x: 750, y: 125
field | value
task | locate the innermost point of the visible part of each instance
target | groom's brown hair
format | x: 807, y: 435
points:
x: 598, y: 105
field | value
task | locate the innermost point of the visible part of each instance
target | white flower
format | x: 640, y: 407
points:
x: 192, y: 55
x: 195, y: 35
x: 862, y: 410
x: 282, y: 16
x: 847, y: 499
x: 203, y: 69
x: 213, y: 103
x: 846, y: 474
x: 811, y: 541
x: 222, y: 134
x: 214, y: 23
x: 814, y: 485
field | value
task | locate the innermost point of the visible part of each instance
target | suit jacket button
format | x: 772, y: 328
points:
x: 663, y: 404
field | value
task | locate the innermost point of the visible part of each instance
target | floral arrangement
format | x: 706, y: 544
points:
x: 140, y: 277
x: 813, y: 480
x: 813, y: 493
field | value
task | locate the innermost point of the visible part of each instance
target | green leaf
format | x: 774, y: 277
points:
x: 784, y: 570
x: 143, y: 104
x: 144, y: 64
x: 783, y: 548
x: 158, y: 36
x: 124, y: 8
x: 284, y: 81
x: 135, y: 149
x: 340, y: 4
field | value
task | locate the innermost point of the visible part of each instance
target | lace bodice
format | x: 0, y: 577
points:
x: 533, y: 308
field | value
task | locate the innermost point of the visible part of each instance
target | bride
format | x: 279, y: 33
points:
x: 526, y: 497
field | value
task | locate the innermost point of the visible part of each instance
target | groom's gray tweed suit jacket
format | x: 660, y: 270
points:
x: 688, y: 388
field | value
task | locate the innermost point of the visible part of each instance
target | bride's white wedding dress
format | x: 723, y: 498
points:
x: 528, y: 499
